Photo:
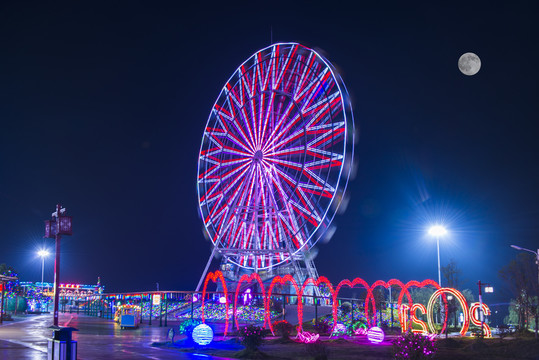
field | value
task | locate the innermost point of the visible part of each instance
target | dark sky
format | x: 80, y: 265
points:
x: 103, y: 107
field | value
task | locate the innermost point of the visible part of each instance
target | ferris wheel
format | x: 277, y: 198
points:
x: 275, y: 157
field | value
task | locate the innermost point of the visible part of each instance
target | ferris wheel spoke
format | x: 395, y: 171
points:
x: 280, y: 122
x: 304, y: 75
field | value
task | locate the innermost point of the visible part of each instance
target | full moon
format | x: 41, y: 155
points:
x: 469, y: 64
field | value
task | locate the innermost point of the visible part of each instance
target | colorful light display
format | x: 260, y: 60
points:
x: 462, y: 301
x: 415, y: 320
x: 475, y: 318
x: 214, y: 277
x: 202, y: 334
x: 375, y: 335
x: 338, y: 330
x: 369, y: 300
x: 307, y: 337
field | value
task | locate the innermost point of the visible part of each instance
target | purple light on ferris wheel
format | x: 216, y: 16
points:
x: 271, y: 168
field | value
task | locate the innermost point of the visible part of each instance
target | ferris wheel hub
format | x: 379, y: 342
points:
x: 258, y: 155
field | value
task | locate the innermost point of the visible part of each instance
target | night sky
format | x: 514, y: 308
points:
x: 103, y: 106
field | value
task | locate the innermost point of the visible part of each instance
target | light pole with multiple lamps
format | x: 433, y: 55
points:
x: 537, y: 262
x: 438, y: 231
x: 60, y: 224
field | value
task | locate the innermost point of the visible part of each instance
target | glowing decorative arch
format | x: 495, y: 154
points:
x: 350, y: 284
x: 317, y: 282
x: 415, y: 320
x: 460, y: 299
x: 214, y: 276
x: 282, y: 280
x: 249, y: 279
x: 421, y: 284
x: 476, y: 319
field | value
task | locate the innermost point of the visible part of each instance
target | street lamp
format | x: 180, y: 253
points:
x: 438, y: 231
x: 537, y: 262
x: 43, y: 254
x: 488, y: 289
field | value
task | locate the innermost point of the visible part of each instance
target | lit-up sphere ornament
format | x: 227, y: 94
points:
x: 375, y: 335
x: 202, y: 334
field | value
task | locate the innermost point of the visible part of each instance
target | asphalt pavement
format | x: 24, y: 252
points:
x: 26, y: 338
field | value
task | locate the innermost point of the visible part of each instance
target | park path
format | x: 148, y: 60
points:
x: 97, y: 339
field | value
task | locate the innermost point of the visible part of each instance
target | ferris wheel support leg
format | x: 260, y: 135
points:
x: 206, y: 270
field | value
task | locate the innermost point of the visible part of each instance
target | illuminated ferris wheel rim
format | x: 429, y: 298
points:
x: 344, y: 168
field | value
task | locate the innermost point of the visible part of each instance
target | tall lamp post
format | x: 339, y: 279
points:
x: 43, y: 254
x: 60, y: 224
x: 537, y: 262
x: 438, y: 231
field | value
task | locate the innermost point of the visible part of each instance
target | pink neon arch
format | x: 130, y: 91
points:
x: 214, y: 276
x: 245, y: 277
x: 282, y: 280
x: 320, y: 280
x: 370, y: 294
x: 350, y: 284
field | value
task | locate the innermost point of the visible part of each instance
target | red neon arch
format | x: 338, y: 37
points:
x: 350, y: 284
x: 245, y: 277
x: 214, y: 276
x: 321, y: 279
x: 282, y: 280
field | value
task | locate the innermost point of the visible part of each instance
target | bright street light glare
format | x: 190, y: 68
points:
x: 437, y: 231
x: 43, y: 253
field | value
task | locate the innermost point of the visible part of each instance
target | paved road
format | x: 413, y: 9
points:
x: 97, y: 339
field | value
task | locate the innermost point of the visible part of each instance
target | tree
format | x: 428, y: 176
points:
x: 451, y: 274
x: 521, y: 277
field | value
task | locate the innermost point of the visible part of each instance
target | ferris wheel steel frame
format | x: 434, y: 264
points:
x: 275, y: 159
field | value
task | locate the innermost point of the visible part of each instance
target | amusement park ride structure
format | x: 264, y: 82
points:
x: 274, y: 163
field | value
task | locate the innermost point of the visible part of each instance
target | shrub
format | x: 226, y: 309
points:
x: 251, y: 336
x: 322, y: 328
x: 187, y: 327
x: 346, y: 308
x: 283, y: 328
x: 413, y: 346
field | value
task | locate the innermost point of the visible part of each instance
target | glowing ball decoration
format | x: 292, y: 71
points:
x: 202, y: 334
x: 375, y: 335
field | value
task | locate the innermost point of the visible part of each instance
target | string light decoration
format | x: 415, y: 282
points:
x: 361, y: 330
x: 202, y: 334
x: 282, y: 281
x: 307, y: 337
x: 338, y: 330
x: 249, y: 279
x: 476, y: 319
x: 404, y: 319
x: 317, y: 282
x: 214, y: 276
x: 415, y: 320
x: 350, y: 284
x: 375, y: 335
x: 460, y: 298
